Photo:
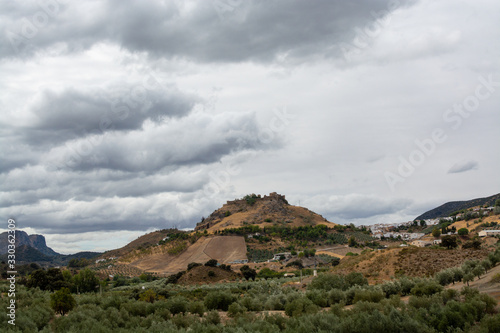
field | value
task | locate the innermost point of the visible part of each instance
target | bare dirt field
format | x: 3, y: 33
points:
x: 223, y: 248
x: 338, y: 251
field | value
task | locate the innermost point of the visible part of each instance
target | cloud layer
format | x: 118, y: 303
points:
x: 118, y: 118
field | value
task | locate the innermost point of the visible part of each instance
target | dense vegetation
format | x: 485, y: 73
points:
x: 157, y: 306
x: 301, y: 235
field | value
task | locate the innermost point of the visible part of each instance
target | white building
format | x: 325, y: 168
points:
x: 484, y: 233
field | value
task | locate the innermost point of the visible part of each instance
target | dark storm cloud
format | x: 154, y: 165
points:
x: 195, y: 139
x: 31, y: 184
x: 70, y: 114
x: 249, y: 31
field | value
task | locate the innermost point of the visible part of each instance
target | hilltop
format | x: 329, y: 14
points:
x: 257, y: 210
x: 453, y: 206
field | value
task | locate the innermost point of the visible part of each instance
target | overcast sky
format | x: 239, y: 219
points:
x: 122, y: 117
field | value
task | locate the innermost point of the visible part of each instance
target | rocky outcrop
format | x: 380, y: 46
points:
x: 22, y: 238
x: 259, y: 208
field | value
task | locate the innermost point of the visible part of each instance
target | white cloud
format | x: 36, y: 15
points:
x: 196, y: 140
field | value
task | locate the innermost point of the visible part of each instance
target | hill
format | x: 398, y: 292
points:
x: 254, y: 225
x: 224, y: 249
x: 257, y: 210
x: 453, y: 206
x: 142, y: 242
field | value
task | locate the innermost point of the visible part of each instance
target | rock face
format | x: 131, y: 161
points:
x: 22, y: 238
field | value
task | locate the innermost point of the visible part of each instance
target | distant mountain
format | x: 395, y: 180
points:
x: 33, y: 248
x: 453, y: 206
x: 22, y: 238
x: 28, y: 254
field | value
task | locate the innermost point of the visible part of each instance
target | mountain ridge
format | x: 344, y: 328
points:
x: 447, y: 208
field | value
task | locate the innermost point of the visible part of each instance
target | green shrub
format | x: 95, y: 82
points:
x: 197, y: 308
x: 251, y: 303
x: 177, y: 304
x: 391, y: 288
x: 336, y: 296
x: 300, y: 306
x: 62, y: 301
x: 218, y: 300
x: 236, y: 309
x: 212, y: 317
x: 355, y: 279
x: 318, y: 297
x: 426, y: 288
x: 148, y: 296
x: 275, y: 302
x: 211, y: 263
x: 327, y: 282
x: 193, y: 265
x: 373, y: 295
x: 184, y: 320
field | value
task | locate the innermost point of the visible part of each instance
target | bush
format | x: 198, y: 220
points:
x: 336, y: 296
x: 268, y: 273
x: 275, y: 302
x: 62, y: 301
x: 236, y: 309
x: 197, y: 308
x: 248, y: 273
x: 391, y: 288
x: 373, y: 295
x: 148, y: 296
x: 211, y: 273
x: 212, y: 317
x: 251, y: 303
x: 406, y: 285
x: 426, y: 288
x: 218, y: 300
x: 193, y: 265
x: 211, y: 263
x: 177, y: 305
x: 300, y: 306
x: 318, y: 297
x: 463, y: 231
x: 327, y: 282
x: 355, y: 279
